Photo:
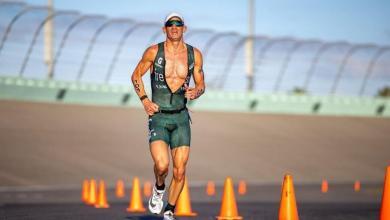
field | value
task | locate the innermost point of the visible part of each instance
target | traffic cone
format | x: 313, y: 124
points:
x: 183, y: 204
x: 229, y: 207
x: 210, y: 189
x: 356, y: 186
x: 385, y: 208
x: 242, y: 187
x: 102, y: 199
x: 92, y: 192
x: 288, y: 205
x: 120, y: 189
x: 147, y: 189
x: 85, y: 191
x: 324, y: 186
x: 136, y: 198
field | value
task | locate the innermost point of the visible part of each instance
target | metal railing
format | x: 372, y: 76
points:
x: 219, y: 65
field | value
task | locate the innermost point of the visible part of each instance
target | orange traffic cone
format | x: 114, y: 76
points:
x: 183, y: 205
x: 288, y: 205
x: 92, y: 192
x: 210, y: 189
x: 85, y: 191
x: 229, y: 207
x: 324, y: 186
x: 147, y: 189
x: 385, y: 208
x: 120, y: 189
x: 242, y: 187
x: 102, y: 199
x: 136, y: 198
x: 356, y: 186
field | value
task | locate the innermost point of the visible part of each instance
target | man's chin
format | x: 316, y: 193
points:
x: 175, y: 38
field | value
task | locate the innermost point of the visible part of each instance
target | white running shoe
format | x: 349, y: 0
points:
x: 168, y: 215
x: 156, y: 201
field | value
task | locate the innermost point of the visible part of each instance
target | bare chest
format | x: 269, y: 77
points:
x: 176, y: 67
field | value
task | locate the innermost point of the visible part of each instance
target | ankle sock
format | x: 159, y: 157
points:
x: 162, y: 187
x: 169, y: 207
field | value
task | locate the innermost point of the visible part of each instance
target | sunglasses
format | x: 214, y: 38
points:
x: 174, y: 22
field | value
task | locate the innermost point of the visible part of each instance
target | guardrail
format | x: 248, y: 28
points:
x: 15, y: 88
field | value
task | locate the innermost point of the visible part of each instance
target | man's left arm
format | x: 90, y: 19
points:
x: 200, y: 87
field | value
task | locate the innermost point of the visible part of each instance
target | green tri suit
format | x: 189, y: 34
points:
x: 172, y: 123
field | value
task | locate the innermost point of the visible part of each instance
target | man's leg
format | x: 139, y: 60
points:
x: 180, y: 157
x: 160, y: 155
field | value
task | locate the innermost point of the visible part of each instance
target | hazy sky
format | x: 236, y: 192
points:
x: 359, y: 21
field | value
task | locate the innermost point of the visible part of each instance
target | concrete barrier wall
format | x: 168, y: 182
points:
x: 12, y: 88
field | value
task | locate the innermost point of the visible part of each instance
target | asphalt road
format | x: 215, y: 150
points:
x: 260, y: 202
x: 206, y: 211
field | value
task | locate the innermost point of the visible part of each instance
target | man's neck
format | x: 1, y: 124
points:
x: 174, y: 46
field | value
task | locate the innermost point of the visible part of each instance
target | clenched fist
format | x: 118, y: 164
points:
x: 192, y: 93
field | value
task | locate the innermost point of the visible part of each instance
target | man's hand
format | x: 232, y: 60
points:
x: 150, y: 107
x: 192, y: 93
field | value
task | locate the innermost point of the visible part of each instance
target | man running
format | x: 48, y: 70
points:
x: 171, y: 64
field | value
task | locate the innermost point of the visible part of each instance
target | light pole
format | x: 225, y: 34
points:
x: 249, y: 46
x: 48, y: 41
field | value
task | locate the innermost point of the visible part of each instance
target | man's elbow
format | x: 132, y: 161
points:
x: 134, y: 77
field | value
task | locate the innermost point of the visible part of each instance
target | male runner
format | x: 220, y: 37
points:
x: 171, y: 64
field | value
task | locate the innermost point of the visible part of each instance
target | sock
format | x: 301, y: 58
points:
x: 170, y: 207
x: 162, y: 187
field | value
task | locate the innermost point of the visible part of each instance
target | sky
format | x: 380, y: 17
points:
x: 355, y: 21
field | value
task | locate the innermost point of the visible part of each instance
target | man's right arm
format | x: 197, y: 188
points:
x: 136, y: 78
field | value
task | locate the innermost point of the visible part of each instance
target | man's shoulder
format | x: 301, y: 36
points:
x: 152, y: 49
x: 198, y: 54
x: 189, y: 45
x: 196, y: 50
x: 151, y: 52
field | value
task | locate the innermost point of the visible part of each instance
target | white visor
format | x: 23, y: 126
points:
x: 173, y: 14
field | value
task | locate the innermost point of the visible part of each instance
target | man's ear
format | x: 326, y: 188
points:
x: 184, y: 29
x: 164, y: 30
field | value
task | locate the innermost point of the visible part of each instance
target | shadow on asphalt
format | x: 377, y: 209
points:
x: 147, y: 217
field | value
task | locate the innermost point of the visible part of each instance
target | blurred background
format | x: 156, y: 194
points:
x: 320, y: 48
x: 295, y: 87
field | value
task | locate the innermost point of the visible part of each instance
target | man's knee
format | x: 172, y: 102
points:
x: 179, y: 173
x: 162, y: 167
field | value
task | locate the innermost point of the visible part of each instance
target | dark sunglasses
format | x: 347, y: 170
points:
x: 174, y: 22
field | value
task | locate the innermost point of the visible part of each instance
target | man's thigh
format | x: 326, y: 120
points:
x: 181, y: 136
x: 157, y: 129
x: 180, y: 155
x: 159, y: 151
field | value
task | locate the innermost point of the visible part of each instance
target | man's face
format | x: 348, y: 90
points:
x: 174, y: 29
